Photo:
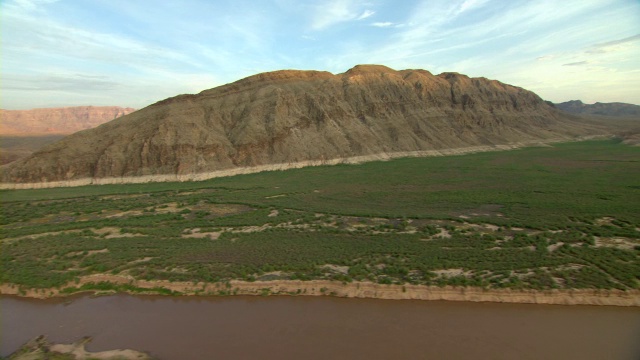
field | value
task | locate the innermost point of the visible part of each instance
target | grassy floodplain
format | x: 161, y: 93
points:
x: 559, y: 217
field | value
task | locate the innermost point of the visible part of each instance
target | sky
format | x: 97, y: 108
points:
x: 133, y: 53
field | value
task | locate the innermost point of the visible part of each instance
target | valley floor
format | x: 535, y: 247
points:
x: 557, y: 224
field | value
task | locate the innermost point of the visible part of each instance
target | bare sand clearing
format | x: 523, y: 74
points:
x: 357, y: 290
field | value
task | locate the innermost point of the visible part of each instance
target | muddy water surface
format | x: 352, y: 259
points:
x: 325, y: 328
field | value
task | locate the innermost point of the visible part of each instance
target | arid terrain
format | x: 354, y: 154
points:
x: 23, y: 132
x: 442, y: 187
x: 286, y: 117
x: 57, y: 121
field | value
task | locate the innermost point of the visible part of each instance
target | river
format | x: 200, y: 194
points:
x: 324, y: 328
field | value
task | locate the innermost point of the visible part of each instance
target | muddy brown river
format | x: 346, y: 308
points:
x: 324, y: 328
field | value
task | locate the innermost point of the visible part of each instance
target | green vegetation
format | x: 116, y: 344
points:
x: 565, y: 216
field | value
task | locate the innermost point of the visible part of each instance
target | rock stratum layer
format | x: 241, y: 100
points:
x: 296, y: 117
x: 57, y: 121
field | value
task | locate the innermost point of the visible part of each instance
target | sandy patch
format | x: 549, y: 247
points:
x: 106, y: 230
x: 113, y: 233
x: 335, y: 268
x: 124, y: 213
x: 77, y: 349
x: 604, y: 220
x: 554, y: 247
x: 275, y: 196
x: 90, y: 252
x: 196, y: 233
x: 273, y: 213
x: 451, y: 272
x: 35, y: 236
x: 40, y: 348
x: 617, y: 242
x: 250, y: 229
x: 138, y: 261
x: 167, y: 208
x: 444, y: 234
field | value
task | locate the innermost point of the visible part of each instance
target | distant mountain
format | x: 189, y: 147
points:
x: 13, y: 148
x: 57, y: 121
x: 603, y: 109
x: 290, y: 116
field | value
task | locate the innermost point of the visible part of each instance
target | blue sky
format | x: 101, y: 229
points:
x: 136, y: 52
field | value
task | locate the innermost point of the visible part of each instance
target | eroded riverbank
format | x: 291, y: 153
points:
x: 115, y: 283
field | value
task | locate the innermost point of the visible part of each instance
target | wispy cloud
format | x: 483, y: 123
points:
x: 382, y: 24
x: 613, y: 45
x: 58, y: 82
x: 30, y: 4
x: 577, y: 63
x: 470, y: 4
x: 333, y: 12
x: 366, y: 14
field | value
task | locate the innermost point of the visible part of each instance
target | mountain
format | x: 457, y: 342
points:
x: 57, y: 121
x: 13, y: 148
x: 291, y: 116
x: 603, y: 109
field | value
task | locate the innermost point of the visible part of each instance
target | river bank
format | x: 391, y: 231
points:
x: 119, y: 283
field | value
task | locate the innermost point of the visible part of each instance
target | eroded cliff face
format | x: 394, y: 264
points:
x: 57, y: 121
x: 292, y: 116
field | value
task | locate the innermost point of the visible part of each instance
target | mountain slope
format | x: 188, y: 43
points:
x: 291, y: 116
x: 603, y: 109
x: 57, y: 121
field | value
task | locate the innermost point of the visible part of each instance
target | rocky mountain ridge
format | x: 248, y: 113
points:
x: 293, y: 116
x: 603, y: 109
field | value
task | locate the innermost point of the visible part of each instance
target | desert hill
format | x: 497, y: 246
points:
x: 603, y: 109
x: 57, y: 121
x: 24, y: 131
x: 293, y: 116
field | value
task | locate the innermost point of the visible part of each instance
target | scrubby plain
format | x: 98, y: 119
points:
x: 553, y: 217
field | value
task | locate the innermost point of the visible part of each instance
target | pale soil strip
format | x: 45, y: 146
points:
x: 361, y: 290
x: 286, y: 166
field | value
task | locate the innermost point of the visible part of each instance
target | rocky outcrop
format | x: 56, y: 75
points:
x: 603, y: 109
x: 57, y: 121
x: 296, y: 116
